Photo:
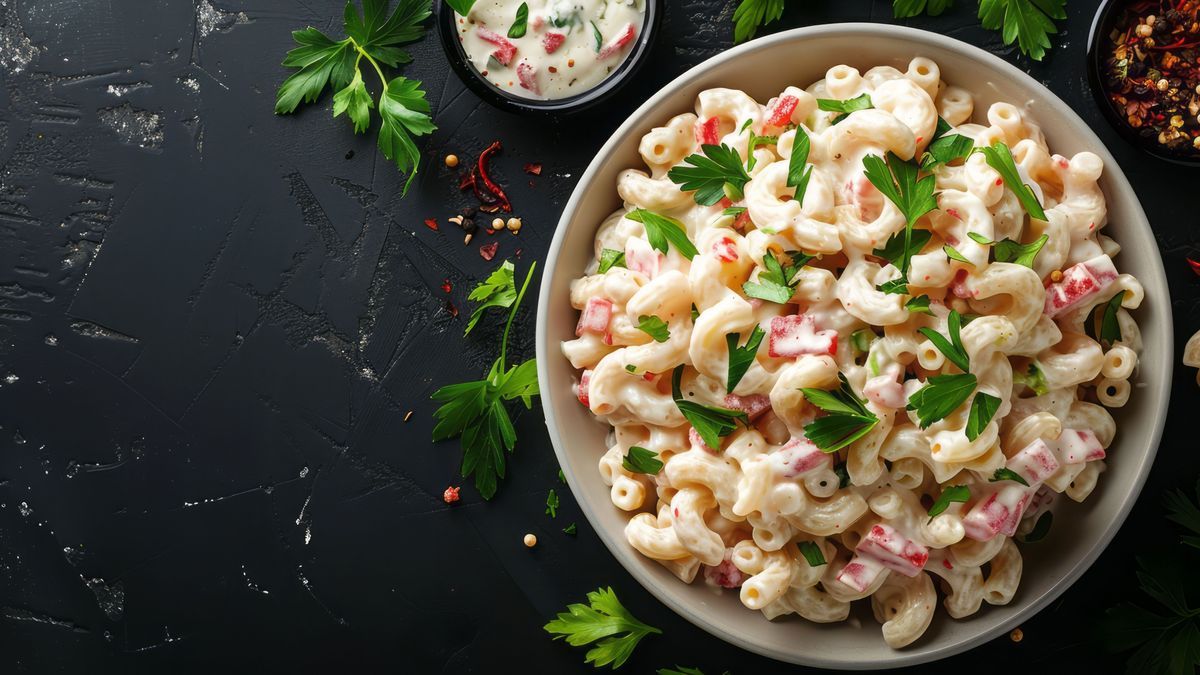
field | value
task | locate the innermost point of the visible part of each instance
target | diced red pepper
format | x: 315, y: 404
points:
x: 742, y: 220
x: 893, y: 550
x: 581, y: 390
x: 997, y: 513
x: 708, y: 132
x: 753, y: 405
x: 552, y: 41
x: 527, y: 76
x: 1035, y: 462
x: 505, y: 50
x: 1079, y: 282
x: 616, y: 44
x: 725, y: 575
x: 595, y: 316
x: 725, y: 249
x: 1076, y: 446
x: 796, y: 334
x: 860, y: 573
x: 640, y: 257
x: 800, y: 455
x: 780, y: 114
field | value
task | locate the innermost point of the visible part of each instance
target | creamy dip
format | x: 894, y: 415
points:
x: 568, y: 46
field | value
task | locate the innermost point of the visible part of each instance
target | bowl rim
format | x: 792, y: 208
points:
x: 456, y: 55
x: 1097, y: 36
x: 1159, y: 390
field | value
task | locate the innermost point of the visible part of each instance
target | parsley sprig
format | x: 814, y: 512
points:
x: 1000, y: 158
x: 1010, y: 251
x: 898, y: 181
x: 751, y: 14
x: 610, y: 258
x: 812, y: 553
x: 641, y: 460
x: 605, y: 619
x: 498, y: 290
x: 844, y: 108
x: 663, y: 232
x: 777, y: 283
x: 374, y: 36
x: 902, y: 9
x: 1004, y: 473
x: 954, y: 493
x: 1028, y: 22
x: 655, y: 327
x: 799, y: 170
x: 712, y: 422
x: 476, y: 410
x: 714, y: 173
x: 952, y: 348
x: 846, y: 418
x: 740, y: 358
x: 945, y: 147
x: 943, y: 394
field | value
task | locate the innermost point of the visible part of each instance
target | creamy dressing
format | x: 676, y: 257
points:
x: 569, y: 46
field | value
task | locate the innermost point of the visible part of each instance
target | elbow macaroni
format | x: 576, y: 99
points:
x: 741, y: 515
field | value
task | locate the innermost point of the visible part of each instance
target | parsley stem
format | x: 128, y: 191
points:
x: 513, y: 313
x: 361, y: 54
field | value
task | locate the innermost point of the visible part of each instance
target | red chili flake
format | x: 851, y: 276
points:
x: 451, y: 309
x: 534, y: 168
x: 946, y: 564
x: 488, y: 251
x: 518, y: 253
x: 1195, y: 265
x: 431, y: 224
x: 446, y: 286
x: 450, y: 495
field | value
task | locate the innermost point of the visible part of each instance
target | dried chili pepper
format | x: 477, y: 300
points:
x: 533, y: 168
x: 431, y: 224
x: 1195, y: 266
x: 492, y: 186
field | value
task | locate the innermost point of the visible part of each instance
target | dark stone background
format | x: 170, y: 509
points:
x: 214, y: 321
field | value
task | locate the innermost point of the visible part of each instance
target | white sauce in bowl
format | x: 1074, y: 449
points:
x: 569, y: 46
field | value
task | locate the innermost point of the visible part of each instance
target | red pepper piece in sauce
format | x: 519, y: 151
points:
x: 552, y: 41
x: 616, y: 44
x: 506, y: 50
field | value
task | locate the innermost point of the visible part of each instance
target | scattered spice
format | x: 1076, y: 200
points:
x: 1152, y: 73
x: 489, y: 193
x: 350, y: 155
x: 488, y: 251
x: 498, y: 224
x: 451, y: 161
x: 1056, y: 276
x: 450, y: 495
x: 408, y: 415
x: 533, y: 168
x: 452, y: 309
x: 431, y: 224
x: 1016, y: 635
x: 1194, y: 265
x: 530, y: 541
x: 514, y: 225
x: 446, y: 285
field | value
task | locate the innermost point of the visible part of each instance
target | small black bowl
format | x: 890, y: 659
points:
x: 1097, y: 52
x: 562, y: 106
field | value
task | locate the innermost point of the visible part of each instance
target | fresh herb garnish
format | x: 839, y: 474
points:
x: 898, y: 286
x: 983, y: 409
x: 954, y: 493
x: 799, y: 170
x: 952, y: 348
x: 902, y: 9
x: 1033, y: 378
x: 1040, y: 529
x: 712, y: 422
x: 860, y: 102
x: 1009, y: 251
x: 953, y: 254
x: 847, y: 418
x: 740, y: 358
x: 1000, y: 158
x: 751, y: 14
x: 463, y: 7
x: 812, y: 553
x: 1007, y: 474
x: 570, y: 529
x: 641, y: 460
x: 680, y: 670
x: 843, y: 475
x: 476, y: 410
x: 754, y: 142
x: 663, y: 232
x: 918, y: 305
x: 776, y: 283
x: 861, y: 340
x: 518, y: 27
x: 654, y: 327
x: 716, y: 173
x: 552, y: 503
x: 734, y: 211
x: 498, y: 290
x: 1028, y: 22
x: 897, y: 180
x: 561, y: 478
x: 945, y: 146
x: 375, y: 36
x: 941, y: 395
x: 597, y: 37
x: 603, y: 618
x: 1110, y: 326
x: 629, y: 367
x: 894, y: 250
x: 610, y: 258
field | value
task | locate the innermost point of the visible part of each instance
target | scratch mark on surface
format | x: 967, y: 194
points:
x: 95, y: 330
x: 308, y: 587
x: 21, y: 614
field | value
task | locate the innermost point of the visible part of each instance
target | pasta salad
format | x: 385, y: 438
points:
x: 853, y: 343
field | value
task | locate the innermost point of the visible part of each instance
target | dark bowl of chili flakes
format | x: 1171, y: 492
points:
x: 1144, y: 68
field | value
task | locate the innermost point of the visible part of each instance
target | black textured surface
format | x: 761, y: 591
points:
x: 214, y: 321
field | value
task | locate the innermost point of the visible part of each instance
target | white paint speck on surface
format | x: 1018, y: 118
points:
x: 17, y: 51
x: 134, y: 126
x: 210, y: 19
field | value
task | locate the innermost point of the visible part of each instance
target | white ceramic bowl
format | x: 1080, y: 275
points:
x: 1080, y: 532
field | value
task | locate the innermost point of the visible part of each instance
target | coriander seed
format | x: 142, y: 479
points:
x: 530, y: 541
x: 514, y: 224
x: 451, y: 161
x: 1016, y: 635
x: 1056, y: 276
x: 498, y: 224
